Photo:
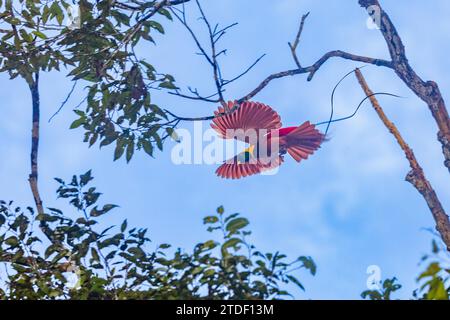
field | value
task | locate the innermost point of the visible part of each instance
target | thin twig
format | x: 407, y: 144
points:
x: 226, y: 82
x: 192, y: 33
x: 64, y: 102
x: 214, y: 55
x: 135, y: 29
x: 211, y: 58
x: 297, y: 40
x: 197, y: 97
x: 189, y: 118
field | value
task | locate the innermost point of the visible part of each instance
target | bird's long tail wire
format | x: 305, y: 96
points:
x: 330, y: 120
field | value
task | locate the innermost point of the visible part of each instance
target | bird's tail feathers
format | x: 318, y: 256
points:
x: 303, y: 141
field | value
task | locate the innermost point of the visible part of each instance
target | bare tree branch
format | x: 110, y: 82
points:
x: 416, y: 176
x: 190, y: 118
x: 311, y: 70
x: 213, y: 35
x: 428, y: 91
x: 33, y: 177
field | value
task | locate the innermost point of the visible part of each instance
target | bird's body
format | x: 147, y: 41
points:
x: 247, y: 155
x: 260, y: 126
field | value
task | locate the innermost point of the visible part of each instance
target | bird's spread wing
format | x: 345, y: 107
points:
x: 249, y: 118
x: 232, y: 169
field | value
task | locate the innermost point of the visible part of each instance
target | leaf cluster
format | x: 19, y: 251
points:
x: 121, y: 262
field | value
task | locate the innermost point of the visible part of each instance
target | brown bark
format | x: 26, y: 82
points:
x: 416, y: 176
x: 428, y: 91
x: 33, y: 177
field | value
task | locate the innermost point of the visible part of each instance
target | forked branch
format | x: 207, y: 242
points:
x: 428, y: 91
x: 310, y: 70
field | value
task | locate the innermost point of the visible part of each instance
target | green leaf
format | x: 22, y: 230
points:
x: 158, y: 141
x: 49, y: 251
x: 148, y: 148
x: 46, y: 217
x: 236, y: 224
x: 372, y: 294
x: 77, y: 123
x: 137, y: 252
x: 165, y: 13
x: 123, y: 226
x: 435, y: 247
x: 433, y: 269
x: 130, y: 150
x: 231, y: 216
x: 231, y: 243
x: 56, y: 11
x: 173, y: 134
x: 210, y: 244
x: 210, y: 219
x: 309, y: 264
x: 39, y: 34
x: 12, y: 241
x: 168, y: 85
x: 156, y: 25
x: 95, y: 254
x: 85, y: 178
x: 437, y: 290
x: 121, y: 17
x: 295, y: 280
x: 108, y: 140
x: 120, y: 149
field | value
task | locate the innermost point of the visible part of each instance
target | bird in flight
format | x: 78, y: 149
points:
x: 260, y: 126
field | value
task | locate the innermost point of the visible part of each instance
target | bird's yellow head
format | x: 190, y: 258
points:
x: 250, y: 149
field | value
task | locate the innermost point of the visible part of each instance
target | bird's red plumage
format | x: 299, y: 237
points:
x: 300, y: 142
x: 285, y: 131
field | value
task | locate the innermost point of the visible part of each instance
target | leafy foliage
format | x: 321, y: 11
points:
x: 119, y: 108
x: 387, y: 287
x: 29, y: 38
x: 100, y: 51
x: 434, y: 280
x: 116, y: 262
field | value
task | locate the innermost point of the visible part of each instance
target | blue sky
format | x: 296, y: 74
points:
x: 348, y: 206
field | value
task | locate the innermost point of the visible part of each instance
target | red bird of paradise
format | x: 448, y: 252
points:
x: 299, y: 142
